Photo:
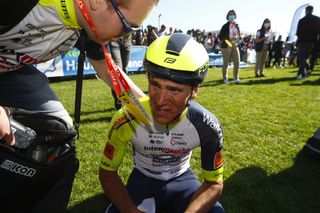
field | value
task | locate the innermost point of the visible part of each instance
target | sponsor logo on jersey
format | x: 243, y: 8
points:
x: 31, y: 32
x: 121, y: 120
x: 167, y: 150
x: 165, y: 160
x: 218, y: 160
x: 173, y: 142
x: 18, y: 168
x: 213, y: 125
x: 64, y: 9
x: 177, y: 139
x: 156, y: 141
x: 156, y: 138
x: 109, y: 151
x: 105, y: 164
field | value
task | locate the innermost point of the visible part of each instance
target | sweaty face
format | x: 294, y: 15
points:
x: 167, y: 99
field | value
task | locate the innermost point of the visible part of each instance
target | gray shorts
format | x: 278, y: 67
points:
x: 29, y: 89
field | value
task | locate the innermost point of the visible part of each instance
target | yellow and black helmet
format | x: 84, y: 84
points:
x: 177, y: 57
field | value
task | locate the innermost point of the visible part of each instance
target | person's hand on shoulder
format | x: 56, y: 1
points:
x: 5, y: 130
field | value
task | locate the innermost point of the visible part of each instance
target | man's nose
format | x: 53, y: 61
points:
x: 161, y: 97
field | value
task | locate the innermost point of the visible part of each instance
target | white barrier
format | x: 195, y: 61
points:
x: 216, y: 60
x: 67, y: 64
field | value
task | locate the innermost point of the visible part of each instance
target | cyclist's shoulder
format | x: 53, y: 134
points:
x: 197, y: 111
x: 202, y: 118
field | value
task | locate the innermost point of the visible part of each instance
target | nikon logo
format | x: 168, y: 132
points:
x: 169, y: 60
x: 18, y: 168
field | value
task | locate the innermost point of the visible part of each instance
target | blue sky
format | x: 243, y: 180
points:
x: 211, y: 14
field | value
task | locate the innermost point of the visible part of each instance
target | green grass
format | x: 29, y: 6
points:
x: 266, y: 122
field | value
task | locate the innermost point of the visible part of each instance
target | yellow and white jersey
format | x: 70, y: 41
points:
x: 164, y: 151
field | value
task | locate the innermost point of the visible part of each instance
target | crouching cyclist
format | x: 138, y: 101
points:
x: 162, y: 179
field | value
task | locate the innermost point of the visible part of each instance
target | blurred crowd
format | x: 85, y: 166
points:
x: 281, y: 52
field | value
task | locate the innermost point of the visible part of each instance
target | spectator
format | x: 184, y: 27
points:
x: 152, y: 34
x: 263, y: 38
x: 170, y: 31
x: 208, y: 42
x: 162, y: 30
x: 308, y: 31
x: 286, y: 51
x: 278, y: 52
x: 138, y: 37
x: 270, y: 54
x: 293, y: 54
x: 229, y: 39
x: 243, y: 47
x: 216, y: 44
x: 162, y: 180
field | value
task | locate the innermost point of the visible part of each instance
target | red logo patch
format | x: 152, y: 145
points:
x: 109, y: 151
x: 218, y: 160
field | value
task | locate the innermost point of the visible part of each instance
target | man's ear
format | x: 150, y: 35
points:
x: 195, y: 91
x: 95, y: 4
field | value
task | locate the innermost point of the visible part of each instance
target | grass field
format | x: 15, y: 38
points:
x: 266, y: 122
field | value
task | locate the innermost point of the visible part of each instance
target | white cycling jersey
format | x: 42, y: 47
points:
x: 48, y: 30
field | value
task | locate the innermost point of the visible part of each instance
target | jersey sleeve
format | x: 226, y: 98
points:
x: 212, y: 155
x: 211, y: 143
x: 119, y: 134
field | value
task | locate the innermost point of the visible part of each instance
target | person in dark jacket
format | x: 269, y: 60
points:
x: 278, y: 50
x: 229, y: 39
x: 308, y: 31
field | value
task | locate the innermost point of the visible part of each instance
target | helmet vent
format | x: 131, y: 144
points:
x: 176, y: 43
x: 172, y: 52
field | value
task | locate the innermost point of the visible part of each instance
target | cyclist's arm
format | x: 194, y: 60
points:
x: 120, y: 133
x: 116, y: 191
x: 211, y: 144
x: 205, y: 197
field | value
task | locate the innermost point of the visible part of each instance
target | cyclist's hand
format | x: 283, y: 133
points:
x: 5, y: 130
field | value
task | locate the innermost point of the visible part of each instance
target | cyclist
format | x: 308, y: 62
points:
x: 162, y: 179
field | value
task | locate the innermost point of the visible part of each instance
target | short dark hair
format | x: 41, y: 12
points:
x: 309, y: 9
x: 231, y: 11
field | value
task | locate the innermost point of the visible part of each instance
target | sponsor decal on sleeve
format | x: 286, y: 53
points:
x: 218, y: 160
x: 109, y: 151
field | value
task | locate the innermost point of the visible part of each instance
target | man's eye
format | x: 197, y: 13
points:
x: 174, y: 90
x: 156, y: 86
